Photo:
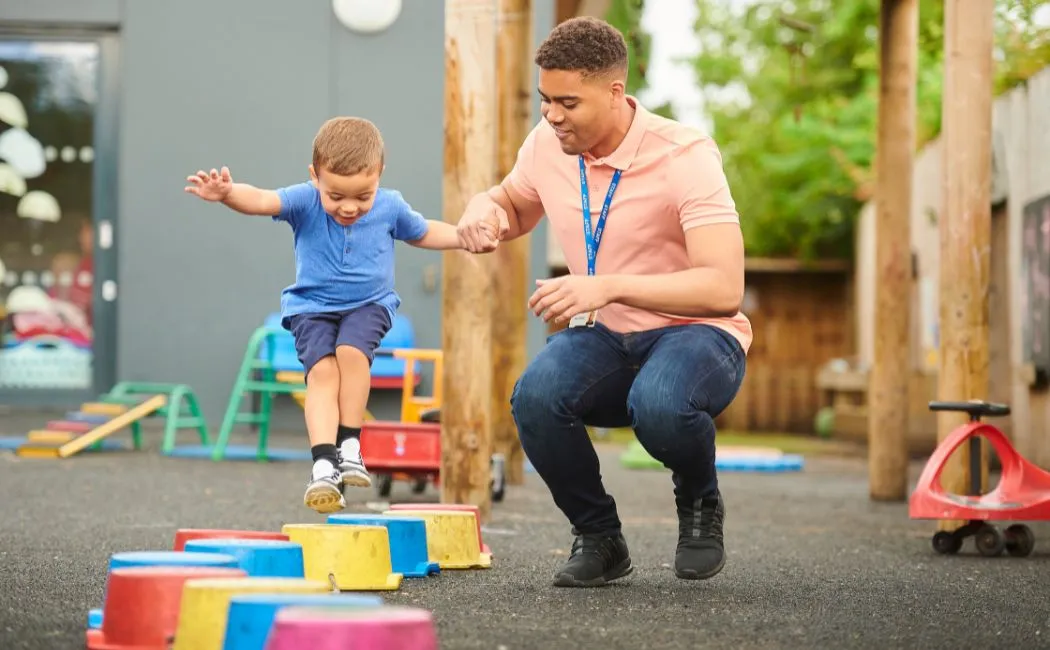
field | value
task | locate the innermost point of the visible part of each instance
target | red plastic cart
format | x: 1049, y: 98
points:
x: 410, y: 449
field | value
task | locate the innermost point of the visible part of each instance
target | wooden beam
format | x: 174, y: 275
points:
x: 469, y: 168
x: 965, y: 227
x: 888, y: 393
x: 565, y: 9
x: 509, y: 315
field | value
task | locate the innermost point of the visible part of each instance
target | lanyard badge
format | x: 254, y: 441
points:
x: 592, y: 239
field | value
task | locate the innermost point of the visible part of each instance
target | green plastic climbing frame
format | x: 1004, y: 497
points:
x: 256, y: 375
x: 180, y: 412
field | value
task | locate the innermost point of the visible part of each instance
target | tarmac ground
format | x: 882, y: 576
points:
x: 812, y: 561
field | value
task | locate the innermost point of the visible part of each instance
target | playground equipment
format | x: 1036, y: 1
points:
x: 727, y: 459
x: 160, y: 559
x: 411, y: 448
x: 387, y: 372
x: 1023, y: 492
x: 407, y: 538
x: 126, y: 405
x: 453, y: 540
x: 328, y: 628
x: 353, y: 558
x: 205, y: 605
x: 269, y: 368
x: 251, y: 616
x: 227, y: 588
x: 408, y: 449
x: 143, y: 602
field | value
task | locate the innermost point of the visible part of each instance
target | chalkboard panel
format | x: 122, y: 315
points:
x: 1035, y: 297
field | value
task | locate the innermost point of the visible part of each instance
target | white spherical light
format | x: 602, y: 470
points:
x: 367, y: 16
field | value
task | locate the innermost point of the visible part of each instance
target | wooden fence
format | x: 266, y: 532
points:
x: 802, y: 318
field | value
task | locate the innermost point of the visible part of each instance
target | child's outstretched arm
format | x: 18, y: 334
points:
x: 218, y: 186
x: 442, y: 236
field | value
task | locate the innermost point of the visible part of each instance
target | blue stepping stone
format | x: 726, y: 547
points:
x: 251, y: 616
x: 259, y: 558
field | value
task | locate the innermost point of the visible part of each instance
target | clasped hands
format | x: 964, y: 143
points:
x: 484, y: 224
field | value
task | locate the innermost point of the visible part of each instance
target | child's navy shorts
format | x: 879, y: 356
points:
x: 317, y: 335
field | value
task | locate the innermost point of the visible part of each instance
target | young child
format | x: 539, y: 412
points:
x: 343, y: 300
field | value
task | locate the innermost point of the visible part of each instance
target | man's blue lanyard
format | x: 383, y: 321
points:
x: 594, y: 239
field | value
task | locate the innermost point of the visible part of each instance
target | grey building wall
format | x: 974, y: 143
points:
x: 246, y: 83
x: 62, y: 12
x: 248, y: 88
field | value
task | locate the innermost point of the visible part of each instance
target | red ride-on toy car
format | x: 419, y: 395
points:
x: 1023, y: 493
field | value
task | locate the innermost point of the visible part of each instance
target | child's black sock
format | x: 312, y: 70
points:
x: 326, y: 451
x: 345, y: 433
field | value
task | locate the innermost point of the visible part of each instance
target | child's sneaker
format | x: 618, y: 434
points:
x: 324, y: 493
x: 351, y: 465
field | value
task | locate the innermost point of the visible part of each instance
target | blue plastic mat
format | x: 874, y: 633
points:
x: 785, y: 463
x: 13, y: 443
x: 240, y: 452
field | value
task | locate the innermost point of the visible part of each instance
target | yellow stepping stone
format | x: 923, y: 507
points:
x: 102, y: 408
x: 206, y: 603
x: 46, y: 436
x: 353, y: 558
x: 452, y: 538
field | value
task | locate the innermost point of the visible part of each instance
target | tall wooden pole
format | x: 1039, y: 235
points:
x: 509, y: 314
x: 470, y: 159
x: 891, y: 372
x: 965, y: 227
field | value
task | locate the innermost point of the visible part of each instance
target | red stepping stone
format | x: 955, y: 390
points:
x: 184, y: 535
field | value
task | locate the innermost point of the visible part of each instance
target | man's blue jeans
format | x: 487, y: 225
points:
x: 667, y: 384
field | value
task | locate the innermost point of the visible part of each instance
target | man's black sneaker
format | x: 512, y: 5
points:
x: 700, y: 553
x: 595, y: 560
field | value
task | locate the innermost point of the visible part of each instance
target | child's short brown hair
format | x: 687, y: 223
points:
x: 348, y: 146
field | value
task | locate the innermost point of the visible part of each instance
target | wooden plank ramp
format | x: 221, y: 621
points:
x: 55, y: 448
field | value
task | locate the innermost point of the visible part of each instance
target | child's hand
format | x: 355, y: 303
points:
x: 472, y: 229
x: 211, y: 187
x: 490, y: 228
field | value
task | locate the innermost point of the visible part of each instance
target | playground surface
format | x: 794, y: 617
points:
x: 811, y: 561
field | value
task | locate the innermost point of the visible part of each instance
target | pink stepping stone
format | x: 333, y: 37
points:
x: 381, y: 628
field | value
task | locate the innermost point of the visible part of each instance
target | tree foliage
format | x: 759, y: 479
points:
x: 791, y: 89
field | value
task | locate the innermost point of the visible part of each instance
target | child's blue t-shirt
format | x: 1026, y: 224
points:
x: 337, y: 267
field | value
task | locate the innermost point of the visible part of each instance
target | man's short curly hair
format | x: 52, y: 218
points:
x: 584, y: 44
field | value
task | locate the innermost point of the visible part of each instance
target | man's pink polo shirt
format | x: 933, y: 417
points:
x: 671, y: 180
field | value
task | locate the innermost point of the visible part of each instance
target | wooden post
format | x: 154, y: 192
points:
x: 965, y: 226
x: 891, y: 371
x: 470, y: 161
x: 565, y: 9
x: 509, y: 314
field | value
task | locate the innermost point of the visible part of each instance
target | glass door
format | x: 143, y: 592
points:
x: 57, y: 216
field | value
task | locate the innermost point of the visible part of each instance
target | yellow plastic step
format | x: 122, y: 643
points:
x: 38, y: 450
x: 47, y: 436
x: 291, y: 377
x: 116, y: 424
x: 101, y: 408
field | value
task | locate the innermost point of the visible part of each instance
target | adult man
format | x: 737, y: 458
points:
x: 655, y: 338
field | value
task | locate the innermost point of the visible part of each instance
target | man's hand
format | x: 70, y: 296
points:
x: 561, y: 298
x: 482, y: 218
x: 215, y: 186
